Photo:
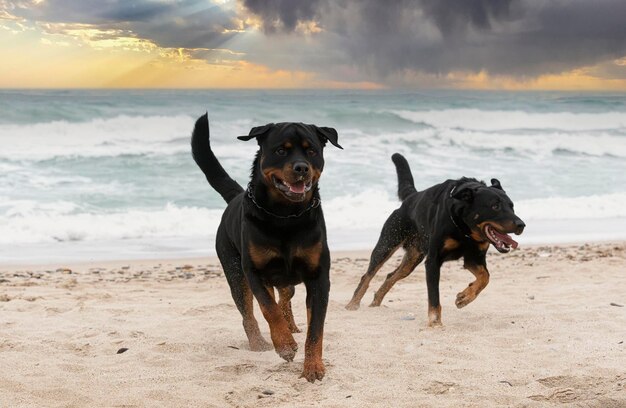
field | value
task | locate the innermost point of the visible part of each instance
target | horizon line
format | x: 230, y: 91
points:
x: 364, y: 90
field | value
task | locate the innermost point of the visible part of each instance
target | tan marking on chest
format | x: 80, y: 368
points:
x: 310, y: 255
x: 262, y: 255
x: 449, y: 244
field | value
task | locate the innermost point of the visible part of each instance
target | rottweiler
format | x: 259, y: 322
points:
x: 454, y: 219
x: 273, y: 235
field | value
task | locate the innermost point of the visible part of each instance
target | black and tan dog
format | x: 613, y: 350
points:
x: 454, y: 219
x: 273, y: 234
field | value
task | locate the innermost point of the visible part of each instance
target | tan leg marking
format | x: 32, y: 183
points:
x: 355, y: 302
x: 434, y: 316
x: 284, y: 344
x: 284, y: 301
x: 411, y: 259
x: 314, y: 368
x: 270, y: 290
x: 250, y: 325
x: 469, y: 294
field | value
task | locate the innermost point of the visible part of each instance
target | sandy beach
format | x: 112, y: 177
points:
x: 548, y: 330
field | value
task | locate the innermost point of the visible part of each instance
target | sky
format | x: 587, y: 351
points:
x: 361, y: 44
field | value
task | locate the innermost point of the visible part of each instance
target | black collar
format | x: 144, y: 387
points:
x: 315, y: 202
x: 463, y: 230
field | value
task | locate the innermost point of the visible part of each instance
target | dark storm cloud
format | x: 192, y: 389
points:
x: 447, y: 14
x: 450, y: 15
x: 195, y: 28
x: 283, y: 14
x: 510, y: 37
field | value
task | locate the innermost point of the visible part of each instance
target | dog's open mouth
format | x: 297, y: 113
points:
x: 293, y: 190
x: 503, y: 242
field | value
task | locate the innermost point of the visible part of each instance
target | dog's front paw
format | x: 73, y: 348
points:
x: 313, y: 370
x: 353, y: 306
x: 287, y: 351
x: 464, y: 298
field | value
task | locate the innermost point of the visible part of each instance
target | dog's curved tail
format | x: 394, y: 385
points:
x: 206, y: 160
x: 406, y: 186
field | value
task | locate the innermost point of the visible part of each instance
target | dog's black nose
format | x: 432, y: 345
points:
x: 301, y: 168
x: 519, y: 226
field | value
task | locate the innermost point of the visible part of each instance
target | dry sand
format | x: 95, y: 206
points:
x: 548, y: 330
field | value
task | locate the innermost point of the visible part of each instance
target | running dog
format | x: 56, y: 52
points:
x: 454, y: 219
x: 273, y: 235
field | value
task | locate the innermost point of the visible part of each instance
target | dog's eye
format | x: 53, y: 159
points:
x: 311, y: 152
x: 496, y: 207
x: 281, y: 151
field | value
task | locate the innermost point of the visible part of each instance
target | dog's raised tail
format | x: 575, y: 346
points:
x: 208, y: 163
x: 406, y: 186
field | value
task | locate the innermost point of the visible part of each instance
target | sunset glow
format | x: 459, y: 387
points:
x: 125, y: 49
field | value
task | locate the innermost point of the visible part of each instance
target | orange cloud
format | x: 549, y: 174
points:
x: 199, y: 74
x: 575, y: 80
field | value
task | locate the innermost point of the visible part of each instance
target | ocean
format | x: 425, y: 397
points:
x: 107, y: 174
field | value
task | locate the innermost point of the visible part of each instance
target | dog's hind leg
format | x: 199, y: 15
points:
x: 411, y: 259
x: 242, y: 295
x: 284, y: 301
x: 391, y: 237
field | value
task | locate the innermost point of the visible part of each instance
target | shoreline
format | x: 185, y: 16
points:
x: 81, y: 264
x: 570, y: 232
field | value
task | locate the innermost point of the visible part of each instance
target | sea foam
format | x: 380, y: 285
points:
x: 25, y: 221
x: 496, y: 120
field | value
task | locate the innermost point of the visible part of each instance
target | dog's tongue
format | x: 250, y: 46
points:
x: 297, y: 188
x: 506, y: 239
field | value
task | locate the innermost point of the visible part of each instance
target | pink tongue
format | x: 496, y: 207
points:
x: 297, y: 188
x: 505, y: 238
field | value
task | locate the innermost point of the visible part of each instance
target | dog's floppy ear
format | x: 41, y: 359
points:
x: 463, y: 193
x: 327, y: 134
x: 495, y: 183
x: 257, y: 132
